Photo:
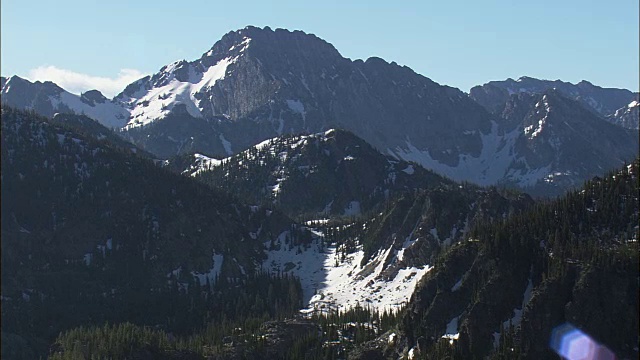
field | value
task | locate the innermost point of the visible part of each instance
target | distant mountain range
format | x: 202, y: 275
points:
x: 255, y: 84
x: 603, y: 101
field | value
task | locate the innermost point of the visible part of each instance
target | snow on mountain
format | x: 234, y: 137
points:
x: 259, y: 83
x: 534, y: 146
x: 627, y: 116
x: 201, y: 163
x: 255, y: 84
x: 347, y: 284
x: 269, y: 83
x: 331, y: 172
x: 181, y: 83
x: 488, y: 168
x: 48, y: 99
x: 171, y: 91
x: 332, y: 281
x: 603, y: 101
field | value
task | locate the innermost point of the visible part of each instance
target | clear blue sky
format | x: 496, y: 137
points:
x: 457, y: 43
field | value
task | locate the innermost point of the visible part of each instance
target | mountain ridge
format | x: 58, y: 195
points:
x: 255, y: 84
x: 602, y: 101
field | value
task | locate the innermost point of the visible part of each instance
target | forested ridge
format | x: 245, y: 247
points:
x: 107, y: 255
x: 579, y: 257
x: 93, y: 233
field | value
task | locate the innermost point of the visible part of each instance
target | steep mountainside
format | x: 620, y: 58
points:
x: 504, y: 290
x: 278, y: 82
x: 547, y: 144
x: 603, y: 101
x: 407, y: 214
x: 91, y: 128
x: 93, y: 233
x: 555, y: 137
x: 329, y: 173
x: 48, y: 99
x: 255, y: 84
x: 377, y: 261
x: 627, y: 116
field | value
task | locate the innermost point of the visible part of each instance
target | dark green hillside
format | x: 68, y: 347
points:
x: 91, y: 128
x: 577, y: 255
x: 93, y: 233
x: 324, y: 173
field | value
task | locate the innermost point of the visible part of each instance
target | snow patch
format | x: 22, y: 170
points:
x: 517, y: 313
x: 407, y: 243
x: 352, y: 209
x: 213, y: 273
x: 347, y: 284
x: 87, y: 258
x: 457, y: 286
x: 409, y: 170
x: 109, y: 114
x: 226, y: 144
x: 452, y: 332
x: 331, y: 280
x: 488, y: 168
x: 157, y: 102
x: 201, y: 164
x: 298, y: 107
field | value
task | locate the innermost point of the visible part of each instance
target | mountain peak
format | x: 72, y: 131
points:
x: 93, y: 97
x: 523, y: 78
x: 21, y: 88
x: 267, y: 41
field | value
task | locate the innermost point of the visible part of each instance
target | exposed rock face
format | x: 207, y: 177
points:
x: 23, y: 94
x: 273, y: 82
x: 627, y: 116
x: 603, y: 101
x: 93, y: 97
x: 560, y: 143
x: 255, y: 84
x: 278, y: 82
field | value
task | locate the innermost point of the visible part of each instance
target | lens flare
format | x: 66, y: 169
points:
x: 573, y: 344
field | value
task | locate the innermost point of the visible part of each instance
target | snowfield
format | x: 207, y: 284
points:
x: 332, y: 282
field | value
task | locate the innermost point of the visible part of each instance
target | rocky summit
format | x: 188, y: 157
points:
x: 255, y: 84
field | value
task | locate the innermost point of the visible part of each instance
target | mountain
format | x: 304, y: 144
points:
x: 383, y: 220
x: 505, y: 290
x: 47, y: 99
x: 515, y: 283
x: 627, y: 116
x: 93, y: 129
x: 323, y: 174
x: 278, y: 82
x: 255, y: 84
x: 554, y: 139
x: 93, y: 233
x: 603, y: 101
x: 133, y: 261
